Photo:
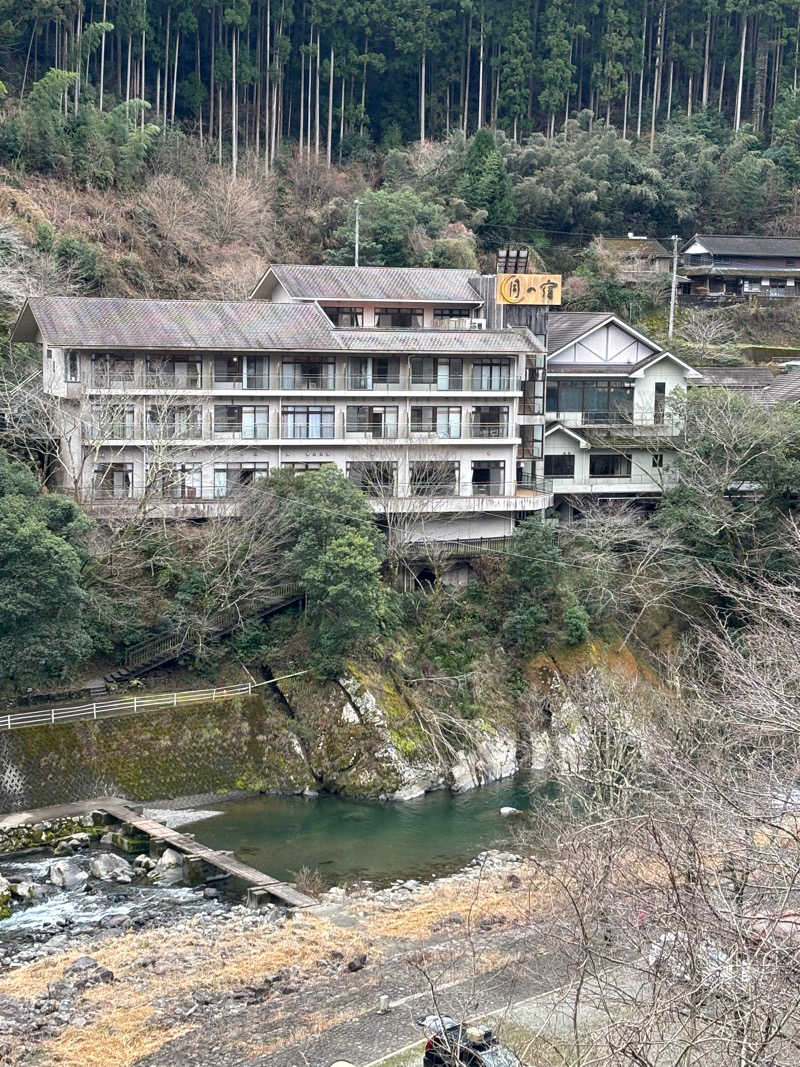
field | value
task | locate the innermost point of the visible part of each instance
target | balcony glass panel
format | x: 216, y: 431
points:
x: 113, y: 481
x: 307, y: 422
x: 433, y: 478
x: 490, y: 422
x: 378, y: 422
x: 488, y: 477
x: 491, y: 374
x: 247, y: 421
x: 308, y: 374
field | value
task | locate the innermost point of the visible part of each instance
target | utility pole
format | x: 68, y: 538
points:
x: 358, y: 214
x: 674, y: 288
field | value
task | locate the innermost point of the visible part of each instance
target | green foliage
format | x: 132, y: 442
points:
x: 390, y: 219
x: 43, y: 627
x: 485, y: 185
x: 79, y: 261
x: 576, y: 624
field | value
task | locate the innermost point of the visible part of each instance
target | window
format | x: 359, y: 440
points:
x: 308, y: 374
x: 598, y: 401
x: 491, y: 374
x: 113, y: 423
x: 233, y: 477
x: 373, y: 478
x: 658, y: 461
x: 375, y: 421
x: 451, y: 318
x: 351, y: 316
x: 559, y: 466
x: 442, y: 421
x: 183, y: 481
x: 109, y: 371
x: 72, y: 366
x: 433, y: 478
x: 174, y: 374
x: 113, y: 481
x: 611, y: 465
x: 659, y: 402
x: 302, y: 468
x: 399, y: 318
x: 490, y: 422
x: 307, y: 421
x: 488, y: 477
x: 369, y: 373
x: 436, y: 373
x: 243, y: 372
x: 176, y: 422
x: 248, y: 421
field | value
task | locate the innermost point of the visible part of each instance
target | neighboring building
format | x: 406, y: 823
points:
x: 738, y: 268
x: 785, y: 389
x: 746, y: 381
x: 639, y: 259
x: 410, y: 381
x: 610, y: 428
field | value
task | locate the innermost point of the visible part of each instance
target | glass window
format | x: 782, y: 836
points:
x: 345, y: 316
x: 183, y: 481
x: 559, y: 466
x: 433, y: 478
x: 232, y: 477
x: 72, y: 366
x: 376, y: 421
x: 228, y: 370
x: 373, y: 478
x: 113, y: 480
x: 307, y: 421
x: 491, y: 374
x: 399, y: 318
x: 308, y: 374
x: 570, y: 396
x: 443, y: 373
x: 611, y: 465
x: 488, y: 477
x: 301, y: 468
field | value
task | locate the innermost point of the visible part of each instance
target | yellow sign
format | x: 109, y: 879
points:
x: 529, y: 289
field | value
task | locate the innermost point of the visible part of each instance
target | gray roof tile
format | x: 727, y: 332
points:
x: 753, y: 378
x: 785, y: 389
x: 434, y: 342
x: 565, y: 327
x: 111, y: 322
x: 744, y: 245
x: 402, y: 284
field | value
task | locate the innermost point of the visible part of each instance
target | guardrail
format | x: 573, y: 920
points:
x: 131, y: 705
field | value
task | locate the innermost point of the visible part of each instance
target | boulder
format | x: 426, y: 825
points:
x: 80, y: 965
x: 169, y: 867
x: 68, y: 874
x: 110, y: 868
x: 508, y: 811
x: 143, y: 862
x: 24, y: 890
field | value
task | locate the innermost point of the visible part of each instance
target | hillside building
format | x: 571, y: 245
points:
x: 719, y: 268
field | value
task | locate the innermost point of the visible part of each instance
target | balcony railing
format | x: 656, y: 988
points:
x: 482, y: 428
x: 368, y: 429
x: 308, y: 383
x: 172, y: 382
x: 236, y: 381
x: 232, y: 430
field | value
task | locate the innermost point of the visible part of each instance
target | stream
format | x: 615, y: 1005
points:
x: 348, y: 840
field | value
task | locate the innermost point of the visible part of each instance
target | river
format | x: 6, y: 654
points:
x: 347, y: 840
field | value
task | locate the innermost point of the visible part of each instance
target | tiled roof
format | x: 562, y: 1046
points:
x: 753, y: 378
x: 596, y: 370
x: 721, y: 245
x: 110, y: 322
x: 784, y: 389
x: 635, y: 245
x: 434, y: 342
x: 402, y: 284
x: 565, y: 327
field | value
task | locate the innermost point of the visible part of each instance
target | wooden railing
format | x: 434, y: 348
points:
x: 108, y: 709
x: 172, y: 644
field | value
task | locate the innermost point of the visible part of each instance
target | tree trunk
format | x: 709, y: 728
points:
x: 422, y: 98
x: 657, y: 76
x: 175, y: 76
x: 706, y: 54
x: 641, y: 76
x: 480, y: 78
x: 330, y: 110
x: 302, y: 100
x: 166, y: 70
x: 738, y: 117
x: 267, y: 89
x: 690, y: 89
x: 721, y: 84
x: 234, y: 102
x: 211, y: 72
x: 308, y: 108
x: 465, y: 108
x: 341, y: 124
x: 316, y: 105
x: 128, y: 83
x: 760, y: 80
x: 363, y: 87
x: 103, y: 57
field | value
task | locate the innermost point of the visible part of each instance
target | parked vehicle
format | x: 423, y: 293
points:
x: 453, y: 1044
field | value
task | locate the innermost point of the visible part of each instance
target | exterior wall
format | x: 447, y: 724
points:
x: 608, y: 344
x: 644, y: 477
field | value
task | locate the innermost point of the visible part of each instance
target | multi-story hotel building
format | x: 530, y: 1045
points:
x: 413, y: 382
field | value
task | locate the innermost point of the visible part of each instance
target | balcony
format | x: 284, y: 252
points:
x: 369, y: 430
x: 225, y: 382
x: 488, y: 429
x: 236, y: 430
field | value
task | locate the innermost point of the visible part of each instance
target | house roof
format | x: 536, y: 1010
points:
x: 566, y: 327
x: 752, y: 378
x: 402, y: 285
x: 111, y: 322
x: 648, y: 246
x: 757, y: 269
x: 617, y: 370
x: 746, y: 245
x: 433, y: 342
x: 784, y: 389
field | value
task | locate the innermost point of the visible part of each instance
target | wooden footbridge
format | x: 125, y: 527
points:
x: 206, y: 864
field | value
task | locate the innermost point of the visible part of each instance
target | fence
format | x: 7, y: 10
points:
x: 131, y: 705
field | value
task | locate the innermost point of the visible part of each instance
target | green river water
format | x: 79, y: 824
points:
x: 347, y: 840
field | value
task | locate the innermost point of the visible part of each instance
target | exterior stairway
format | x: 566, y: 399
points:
x: 166, y: 647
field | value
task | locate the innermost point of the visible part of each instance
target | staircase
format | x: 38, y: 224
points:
x: 166, y: 647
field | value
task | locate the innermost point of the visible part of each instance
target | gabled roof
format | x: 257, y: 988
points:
x: 567, y: 327
x: 111, y: 322
x: 741, y: 245
x: 647, y: 246
x: 752, y: 378
x: 433, y: 342
x: 559, y: 427
x: 402, y: 285
x: 784, y: 390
